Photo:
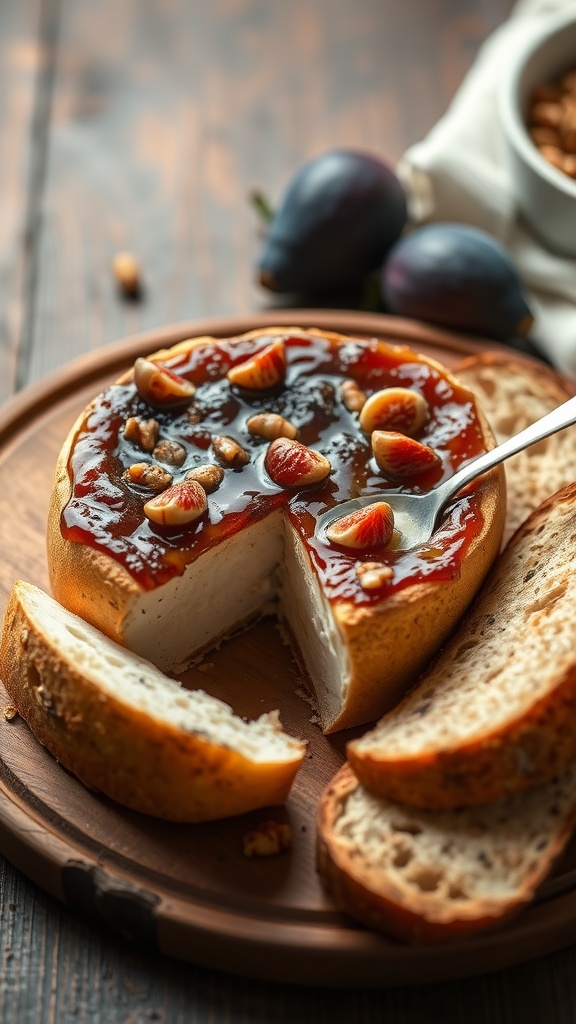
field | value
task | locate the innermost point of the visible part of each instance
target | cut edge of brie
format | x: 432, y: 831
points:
x: 267, y: 568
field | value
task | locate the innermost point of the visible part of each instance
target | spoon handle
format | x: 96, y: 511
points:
x: 551, y: 423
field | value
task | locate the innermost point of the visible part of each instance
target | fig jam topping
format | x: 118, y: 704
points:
x: 106, y: 506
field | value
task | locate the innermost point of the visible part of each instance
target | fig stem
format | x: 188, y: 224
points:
x: 262, y: 205
x: 525, y: 324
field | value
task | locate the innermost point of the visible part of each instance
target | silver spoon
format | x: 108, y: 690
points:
x: 416, y: 515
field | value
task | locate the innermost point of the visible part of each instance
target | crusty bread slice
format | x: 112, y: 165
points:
x: 513, y: 393
x: 430, y: 876
x: 496, y: 713
x: 127, y: 730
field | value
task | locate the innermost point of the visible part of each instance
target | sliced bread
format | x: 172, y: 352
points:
x: 496, y: 713
x: 428, y: 876
x: 513, y: 393
x: 125, y: 729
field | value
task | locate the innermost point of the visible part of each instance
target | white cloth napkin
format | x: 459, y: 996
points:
x: 459, y: 173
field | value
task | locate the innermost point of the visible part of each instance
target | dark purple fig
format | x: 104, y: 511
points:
x: 456, y: 276
x: 337, y: 220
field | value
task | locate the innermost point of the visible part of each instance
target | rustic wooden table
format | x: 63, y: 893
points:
x: 145, y: 126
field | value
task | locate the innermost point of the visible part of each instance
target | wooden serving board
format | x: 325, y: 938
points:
x: 188, y: 891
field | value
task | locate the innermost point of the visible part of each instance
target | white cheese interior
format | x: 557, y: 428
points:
x: 312, y: 624
x: 226, y: 586
x: 232, y: 583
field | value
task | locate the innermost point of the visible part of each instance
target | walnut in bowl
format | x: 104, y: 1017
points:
x: 545, y: 191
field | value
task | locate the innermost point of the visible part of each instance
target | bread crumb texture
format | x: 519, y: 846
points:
x: 453, y: 858
x: 138, y: 685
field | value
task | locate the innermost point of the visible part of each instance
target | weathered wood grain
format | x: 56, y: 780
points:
x: 144, y: 125
x: 166, y: 115
x: 24, y: 63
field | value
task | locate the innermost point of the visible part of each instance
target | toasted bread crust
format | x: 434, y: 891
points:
x: 513, y: 392
x: 370, y: 895
x: 136, y: 759
x: 527, y: 750
x: 384, y: 655
x: 547, y: 382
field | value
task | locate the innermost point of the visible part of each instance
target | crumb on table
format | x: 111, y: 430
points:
x: 268, y: 839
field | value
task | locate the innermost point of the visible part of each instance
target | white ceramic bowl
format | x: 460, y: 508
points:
x: 546, y: 196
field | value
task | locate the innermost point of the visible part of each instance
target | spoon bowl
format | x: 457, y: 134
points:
x: 416, y: 516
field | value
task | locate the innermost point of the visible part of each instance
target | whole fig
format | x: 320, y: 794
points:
x: 338, y: 218
x: 456, y: 276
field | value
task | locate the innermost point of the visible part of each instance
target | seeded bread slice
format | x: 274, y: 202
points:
x: 428, y: 876
x: 127, y: 730
x: 512, y: 394
x: 496, y: 713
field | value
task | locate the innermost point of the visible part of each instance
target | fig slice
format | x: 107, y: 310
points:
x: 369, y: 527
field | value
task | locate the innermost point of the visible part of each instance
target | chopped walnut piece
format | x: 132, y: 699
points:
x: 363, y: 567
x: 194, y: 414
x: 170, y: 451
x: 126, y: 270
x: 144, y: 433
x: 374, y: 577
x: 270, y: 838
x: 209, y: 477
x: 148, y: 474
x: 10, y: 712
x: 229, y: 452
x: 352, y: 395
x: 270, y: 425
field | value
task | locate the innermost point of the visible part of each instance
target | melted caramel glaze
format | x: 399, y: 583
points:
x: 105, y: 511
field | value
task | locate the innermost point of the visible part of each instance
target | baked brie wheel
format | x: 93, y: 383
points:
x: 186, y: 497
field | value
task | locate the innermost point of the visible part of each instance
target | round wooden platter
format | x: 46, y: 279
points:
x: 188, y: 891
